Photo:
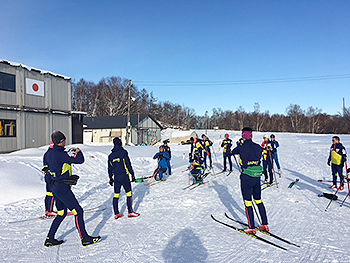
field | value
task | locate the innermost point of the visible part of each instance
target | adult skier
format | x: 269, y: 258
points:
x: 207, y: 143
x: 267, y: 159
x: 119, y: 166
x: 163, y: 158
x: 250, y: 156
x: 226, y: 145
x: 168, y: 150
x: 49, y: 198
x: 337, y: 157
x: 59, y: 164
x: 275, y: 145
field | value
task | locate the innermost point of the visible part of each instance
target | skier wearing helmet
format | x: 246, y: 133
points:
x: 226, y: 145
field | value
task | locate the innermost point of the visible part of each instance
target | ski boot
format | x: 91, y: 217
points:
x: 133, y: 214
x: 264, y: 228
x: 250, y: 231
x: 118, y: 216
x: 49, y: 242
x: 90, y: 240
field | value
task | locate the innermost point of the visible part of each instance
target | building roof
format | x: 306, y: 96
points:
x: 113, y: 122
x: 15, y: 64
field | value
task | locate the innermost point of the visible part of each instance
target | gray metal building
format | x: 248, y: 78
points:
x: 144, y: 129
x: 33, y: 103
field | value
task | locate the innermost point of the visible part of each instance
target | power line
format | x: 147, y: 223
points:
x: 239, y: 82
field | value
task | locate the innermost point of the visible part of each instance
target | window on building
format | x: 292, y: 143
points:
x: 7, y: 128
x: 7, y: 82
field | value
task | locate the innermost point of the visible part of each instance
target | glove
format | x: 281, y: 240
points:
x: 111, y: 181
x: 133, y: 179
x: 329, y: 162
x: 46, y: 170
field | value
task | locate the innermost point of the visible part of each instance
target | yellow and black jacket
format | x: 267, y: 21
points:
x: 337, y: 154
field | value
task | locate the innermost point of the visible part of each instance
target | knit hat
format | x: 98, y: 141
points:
x: 247, y: 133
x: 117, y: 141
x: 57, y: 137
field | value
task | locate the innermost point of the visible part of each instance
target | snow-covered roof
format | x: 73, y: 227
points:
x: 15, y: 64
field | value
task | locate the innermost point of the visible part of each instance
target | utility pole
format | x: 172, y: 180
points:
x: 344, y: 107
x: 128, y: 124
x: 206, y: 122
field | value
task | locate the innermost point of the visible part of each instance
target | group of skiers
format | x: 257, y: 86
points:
x: 59, y: 178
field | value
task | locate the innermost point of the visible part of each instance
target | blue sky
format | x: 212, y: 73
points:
x: 201, y: 54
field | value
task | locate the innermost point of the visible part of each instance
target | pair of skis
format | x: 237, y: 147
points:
x: 195, y: 185
x: 93, y: 209
x: 222, y: 172
x: 254, y: 235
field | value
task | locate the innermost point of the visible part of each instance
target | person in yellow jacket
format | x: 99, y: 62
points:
x: 337, y: 157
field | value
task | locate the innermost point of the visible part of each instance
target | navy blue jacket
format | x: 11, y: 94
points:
x: 163, y: 159
x: 59, y: 162
x: 119, y: 162
x: 249, y: 152
x: 227, y: 144
x: 167, y: 149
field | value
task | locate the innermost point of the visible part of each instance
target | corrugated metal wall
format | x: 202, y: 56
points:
x: 36, y: 116
x: 35, y: 129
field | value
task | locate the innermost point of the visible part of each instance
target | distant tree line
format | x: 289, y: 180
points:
x: 109, y: 97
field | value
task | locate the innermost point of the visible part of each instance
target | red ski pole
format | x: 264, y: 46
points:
x: 153, y: 175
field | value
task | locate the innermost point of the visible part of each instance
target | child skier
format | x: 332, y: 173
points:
x: 207, y: 144
x: 267, y: 159
x: 196, y: 171
x: 337, y: 156
x: 275, y: 145
x: 163, y: 158
x: 226, y: 145
x: 119, y: 165
x: 167, y: 149
x: 250, y: 156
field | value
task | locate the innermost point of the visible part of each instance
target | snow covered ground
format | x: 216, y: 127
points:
x: 175, y: 224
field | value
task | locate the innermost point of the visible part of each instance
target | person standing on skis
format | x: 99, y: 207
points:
x: 275, y: 145
x: 226, y: 145
x: 207, y: 143
x: 197, y: 149
x: 163, y: 158
x: 168, y: 150
x: 119, y: 166
x: 337, y: 157
x: 267, y: 159
x: 250, y: 156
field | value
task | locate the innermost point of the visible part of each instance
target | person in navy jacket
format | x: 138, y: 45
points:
x: 275, y: 145
x: 207, y: 143
x: 59, y: 164
x: 49, y: 198
x: 168, y: 150
x: 119, y: 166
x: 226, y: 145
x: 250, y: 158
x: 337, y: 157
x: 163, y: 158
